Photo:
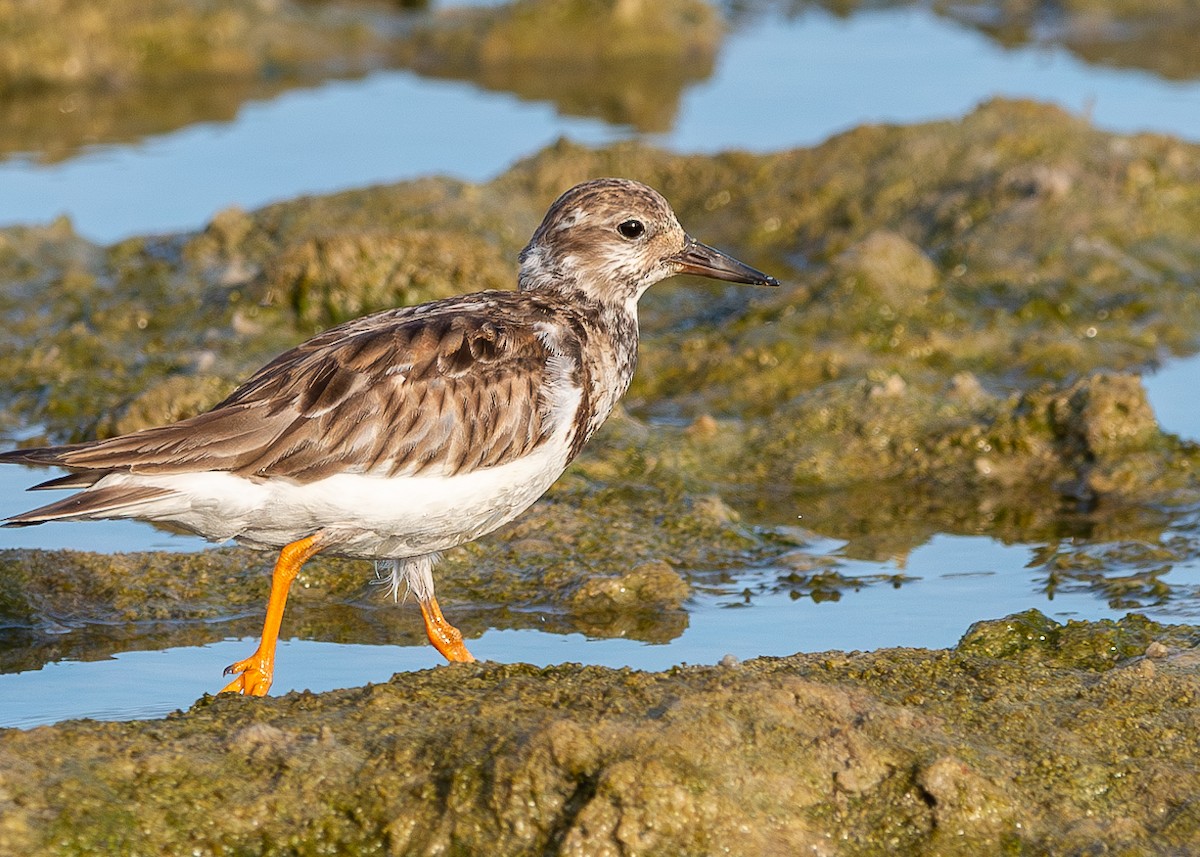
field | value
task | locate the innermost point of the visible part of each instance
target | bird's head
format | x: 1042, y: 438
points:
x: 614, y: 238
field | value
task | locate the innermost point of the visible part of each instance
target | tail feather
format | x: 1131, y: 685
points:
x: 41, y: 455
x: 82, y: 479
x: 96, y: 503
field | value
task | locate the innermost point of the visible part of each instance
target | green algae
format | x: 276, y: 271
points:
x: 1025, y: 739
x: 626, y: 61
x: 73, y: 74
x: 76, y: 74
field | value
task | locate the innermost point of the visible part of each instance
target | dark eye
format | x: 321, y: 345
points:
x: 631, y: 229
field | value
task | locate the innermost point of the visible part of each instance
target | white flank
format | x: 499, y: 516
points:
x: 376, y: 516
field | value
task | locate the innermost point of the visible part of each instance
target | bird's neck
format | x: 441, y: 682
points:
x: 611, y: 368
x: 562, y: 275
x: 601, y: 340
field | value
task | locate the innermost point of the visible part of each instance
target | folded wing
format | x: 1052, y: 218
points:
x: 450, y: 387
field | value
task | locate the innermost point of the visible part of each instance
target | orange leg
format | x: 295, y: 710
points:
x: 257, y: 671
x: 445, y: 637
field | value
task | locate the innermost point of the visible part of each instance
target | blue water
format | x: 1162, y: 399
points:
x: 778, y: 84
x: 933, y: 613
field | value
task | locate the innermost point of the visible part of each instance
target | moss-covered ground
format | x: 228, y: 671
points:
x: 1028, y: 738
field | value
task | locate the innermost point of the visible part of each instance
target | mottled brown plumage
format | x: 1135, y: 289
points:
x: 409, y: 431
x: 446, y: 387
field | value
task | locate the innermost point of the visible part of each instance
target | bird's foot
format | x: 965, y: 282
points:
x: 445, y: 637
x: 452, y: 647
x: 254, y: 676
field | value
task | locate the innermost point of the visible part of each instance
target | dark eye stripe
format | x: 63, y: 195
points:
x: 632, y: 229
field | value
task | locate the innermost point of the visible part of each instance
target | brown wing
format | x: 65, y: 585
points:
x: 445, y: 387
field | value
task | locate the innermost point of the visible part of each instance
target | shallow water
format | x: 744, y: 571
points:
x: 952, y: 581
x: 778, y: 83
x: 1172, y: 392
x: 959, y: 580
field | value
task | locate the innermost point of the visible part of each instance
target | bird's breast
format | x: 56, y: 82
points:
x: 597, y: 363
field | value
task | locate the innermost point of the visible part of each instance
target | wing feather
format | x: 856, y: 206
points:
x: 451, y: 386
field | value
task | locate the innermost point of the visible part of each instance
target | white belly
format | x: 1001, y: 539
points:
x: 374, y: 516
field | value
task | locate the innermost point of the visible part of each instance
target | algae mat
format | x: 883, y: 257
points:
x: 1028, y: 738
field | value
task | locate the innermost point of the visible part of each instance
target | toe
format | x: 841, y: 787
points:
x: 252, y: 678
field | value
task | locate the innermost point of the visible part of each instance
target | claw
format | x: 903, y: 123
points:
x: 254, y: 677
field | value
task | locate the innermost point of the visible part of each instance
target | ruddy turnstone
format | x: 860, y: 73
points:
x: 410, y: 431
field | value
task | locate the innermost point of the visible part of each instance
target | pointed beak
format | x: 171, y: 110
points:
x: 700, y: 259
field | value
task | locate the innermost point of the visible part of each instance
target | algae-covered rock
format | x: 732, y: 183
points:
x: 890, y: 266
x: 1105, y: 418
x: 650, y: 586
x: 78, y: 73
x: 330, y: 280
x: 983, y: 749
x: 1032, y: 637
x: 632, y: 604
x: 169, y: 399
x: 1030, y: 285
x: 1159, y: 36
x: 74, y: 74
x: 61, y: 44
x: 626, y: 61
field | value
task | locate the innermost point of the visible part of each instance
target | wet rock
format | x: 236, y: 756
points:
x: 1107, y: 429
x: 712, y: 510
x: 636, y: 604
x: 962, y: 798
x: 889, y: 266
x: 148, y: 68
x: 704, y: 426
x: 1032, y: 637
x: 1105, y: 416
x: 625, y: 60
x: 950, y: 752
x: 1156, y: 650
x: 1158, y: 36
x: 75, y: 74
x: 340, y: 277
x: 1095, y: 437
x: 651, y: 586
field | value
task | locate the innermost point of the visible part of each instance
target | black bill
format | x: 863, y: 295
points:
x: 704, y: 261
